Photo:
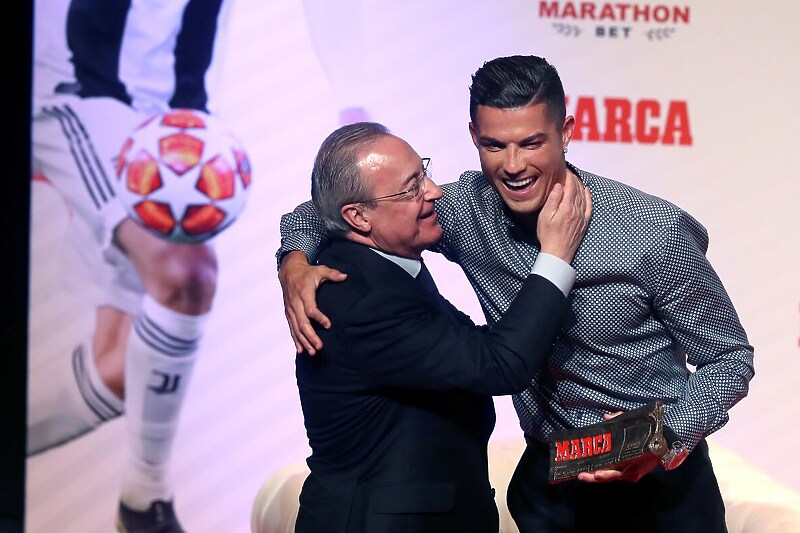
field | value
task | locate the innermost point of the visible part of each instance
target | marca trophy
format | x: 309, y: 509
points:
x: 608, y: 445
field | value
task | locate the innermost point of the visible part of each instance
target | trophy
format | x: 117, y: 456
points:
x: 609, y: 445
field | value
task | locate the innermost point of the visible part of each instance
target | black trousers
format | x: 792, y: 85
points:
x: 686, y: 499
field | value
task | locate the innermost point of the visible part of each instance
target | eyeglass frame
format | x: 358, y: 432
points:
x: 419, y: 184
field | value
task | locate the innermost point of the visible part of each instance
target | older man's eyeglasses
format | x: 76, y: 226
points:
x: 412, y: 193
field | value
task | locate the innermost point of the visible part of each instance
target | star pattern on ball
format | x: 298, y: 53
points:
x: 183, y: 176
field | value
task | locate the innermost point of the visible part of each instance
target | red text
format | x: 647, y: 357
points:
x: 584, y: 447
x: 620, y: 12
x: 621, y: 120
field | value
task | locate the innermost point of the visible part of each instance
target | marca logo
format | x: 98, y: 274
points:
x: 620, y: 120
x: 569, y: 450
x: 616, y: 20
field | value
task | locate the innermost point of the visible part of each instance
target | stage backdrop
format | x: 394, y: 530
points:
x: 694, y: 101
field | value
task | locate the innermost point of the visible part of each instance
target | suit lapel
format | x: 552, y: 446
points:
x: 383, y: 271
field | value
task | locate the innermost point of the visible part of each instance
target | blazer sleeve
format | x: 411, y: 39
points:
x: 396, y: 338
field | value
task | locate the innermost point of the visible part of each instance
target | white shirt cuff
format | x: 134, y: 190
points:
x: 555, y: 270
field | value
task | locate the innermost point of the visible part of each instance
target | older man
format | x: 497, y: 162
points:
x: 397, y: 404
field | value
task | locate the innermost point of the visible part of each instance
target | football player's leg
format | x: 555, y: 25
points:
x: 77, y: 365
x: 180, y: 281
x: 68, y: 393
x: 69, y: 396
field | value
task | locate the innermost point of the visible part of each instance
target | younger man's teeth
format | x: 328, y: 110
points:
x: 519, y: 184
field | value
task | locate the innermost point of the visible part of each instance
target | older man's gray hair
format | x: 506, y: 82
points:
x: 336, y: 178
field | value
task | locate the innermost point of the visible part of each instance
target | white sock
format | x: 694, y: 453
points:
x: 67, y: 398
x: 159, y: 362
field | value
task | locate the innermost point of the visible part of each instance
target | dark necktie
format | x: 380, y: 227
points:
x: 425, y: 278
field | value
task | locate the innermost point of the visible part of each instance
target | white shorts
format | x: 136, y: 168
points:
x: 75, y: 143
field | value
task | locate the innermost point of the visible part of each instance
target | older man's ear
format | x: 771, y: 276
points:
x: 356, y: 218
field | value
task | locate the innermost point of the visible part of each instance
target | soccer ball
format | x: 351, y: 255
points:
x: 183, y: 176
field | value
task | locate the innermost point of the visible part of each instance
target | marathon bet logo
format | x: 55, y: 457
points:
x: 617, y: 20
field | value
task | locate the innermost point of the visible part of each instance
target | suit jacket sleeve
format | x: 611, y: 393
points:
x: 396, y: 338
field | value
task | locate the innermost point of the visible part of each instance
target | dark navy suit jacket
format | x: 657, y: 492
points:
x: 397, y: 404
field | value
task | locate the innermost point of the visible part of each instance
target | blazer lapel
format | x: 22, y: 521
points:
x: 385, y: 271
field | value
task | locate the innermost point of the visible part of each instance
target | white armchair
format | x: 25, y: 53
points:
x: 754, y: 502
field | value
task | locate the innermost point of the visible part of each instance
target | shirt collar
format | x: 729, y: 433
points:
x: 412, y: 266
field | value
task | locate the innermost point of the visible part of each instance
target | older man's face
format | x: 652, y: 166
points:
x: 401, y: 225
